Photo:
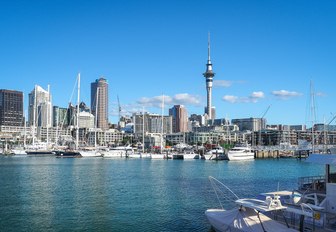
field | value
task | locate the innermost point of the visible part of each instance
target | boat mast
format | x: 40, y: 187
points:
x: 96, y: 121
x: 77, y: 115
x: 313, y: 113
x: 48, y: 119
x: 143, y: 130
x: 25, y: 132
x: 34, y: 115
x: 161, y: 145
x: 57, y: 121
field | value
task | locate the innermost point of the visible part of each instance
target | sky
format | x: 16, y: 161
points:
x: 271, y: 58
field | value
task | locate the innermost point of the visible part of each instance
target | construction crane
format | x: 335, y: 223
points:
x: 261, y: 119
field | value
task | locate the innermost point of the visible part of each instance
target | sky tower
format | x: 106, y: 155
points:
x: 209, y: 74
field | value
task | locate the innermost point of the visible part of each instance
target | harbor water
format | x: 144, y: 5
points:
x: 96, y: 194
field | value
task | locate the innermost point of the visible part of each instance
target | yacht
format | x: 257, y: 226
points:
x: 19, y: 151
x: 311, y: 208
x: 186, y: 155
x: 216, y: 153
x: 240, y: 152
x: 90, y: 152
x: 68, y: 154
x: 249, y: 215
x: 157, y: 156
x: 118, y: 152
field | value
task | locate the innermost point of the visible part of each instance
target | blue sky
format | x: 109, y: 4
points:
x: 264, y: 53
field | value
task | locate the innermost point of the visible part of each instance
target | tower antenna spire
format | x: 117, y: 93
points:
x: 209, y: 60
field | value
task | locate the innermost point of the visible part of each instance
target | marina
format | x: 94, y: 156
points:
x: 44, y: 193
x: 169, y: 116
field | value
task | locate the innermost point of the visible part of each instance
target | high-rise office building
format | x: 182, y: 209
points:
x: 11, y: 108
x: 209, y: 74
x: 180, y: 118
x: 100, y: 102
x: 40, y: 107
x: 60, y: 117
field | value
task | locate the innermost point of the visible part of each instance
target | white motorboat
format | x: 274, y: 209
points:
x: 157, y: 156
x: 90, y: 153
x: 118, y: 152
x: 243, y: 219
x: 240, y: 152
x: 190, y: 155
x: 216, y: 153
x: 19, y: 151
x: 248, y: 215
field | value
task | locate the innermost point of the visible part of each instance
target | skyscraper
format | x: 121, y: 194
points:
x: 11, y: 108
x: 180, y: 118
x: 101, y: 86
x: 40, y: 108
x: 60, y: 117
x: 209, y: 74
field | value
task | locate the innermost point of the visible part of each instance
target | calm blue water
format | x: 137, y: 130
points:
x: 96, y: 194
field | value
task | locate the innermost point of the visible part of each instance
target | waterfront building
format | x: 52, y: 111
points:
x: 197, y: 118
x: 101, y: 86
x: 40, y: 107
x: 151, y: 123
x: 11, y: 108
x: 179, y: 116
x: 209, y: 74
x: 298, y: 127
x: 60, y: 116
x: 324, y: 127
x: 85, y: 120
x: 250, y: 124
x: 220, y: 122
x: 111, y: 137
x: 52, y: 134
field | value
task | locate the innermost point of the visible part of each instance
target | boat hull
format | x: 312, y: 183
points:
x: 241, y: 156
x: 68, y: 154
x: 40, y: 153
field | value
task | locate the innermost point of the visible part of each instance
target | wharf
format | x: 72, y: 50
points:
x: 278, y: 153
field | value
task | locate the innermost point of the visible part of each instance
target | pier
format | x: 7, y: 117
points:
x: 278, y: 153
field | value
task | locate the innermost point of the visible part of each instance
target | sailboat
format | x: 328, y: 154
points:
x: 160, y: 155
x: 73, y: 153
x: 38, y: 148
x: 89, y: 151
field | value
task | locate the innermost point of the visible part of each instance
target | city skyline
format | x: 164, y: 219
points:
x: 264, y: 54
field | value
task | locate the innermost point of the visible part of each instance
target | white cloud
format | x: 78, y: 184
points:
x: 222, y: 83
x: 226, y: 83
x: 230, y: 98
x: 253, y: 98
x: 178, y: 99
x: 320, y: 94
x: 257, y: 94
x: 285, y: 94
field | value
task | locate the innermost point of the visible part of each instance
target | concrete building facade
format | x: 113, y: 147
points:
x: 11, y: 108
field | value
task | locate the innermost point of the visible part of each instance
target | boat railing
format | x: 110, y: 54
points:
x: 311, y: 183
x: 223, y: 193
